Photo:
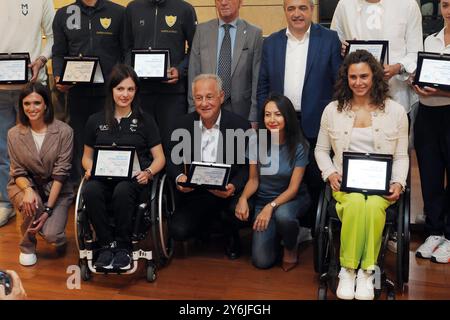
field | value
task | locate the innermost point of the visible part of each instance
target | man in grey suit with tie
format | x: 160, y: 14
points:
x: 231, y: 48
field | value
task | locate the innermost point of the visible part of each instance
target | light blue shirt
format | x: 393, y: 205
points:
x: 233, y: 30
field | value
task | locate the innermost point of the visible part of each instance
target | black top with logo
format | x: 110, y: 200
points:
x: 143, y: 134
x: 163, y: 24
x: 90, y: 31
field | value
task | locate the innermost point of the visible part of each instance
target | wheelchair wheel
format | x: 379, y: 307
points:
x: 161, y: 214
x: 84, y: 269
x: 406, y: 238
x: 78, y: 217
x: 320, y: 234
x: 151, y: 272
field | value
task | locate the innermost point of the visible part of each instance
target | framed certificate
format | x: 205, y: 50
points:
x: 114, y: 163
x: 14, y: 68
x: 367, y: 173
x: 151, y: 64
x: 81, y: 70
x: 207, y: 175
x: 378, y: 48
x: 433, y: 70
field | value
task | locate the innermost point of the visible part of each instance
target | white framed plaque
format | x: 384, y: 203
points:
x: 207, y: 175
x: 81, y: 70
x: 367, y: 173
x: 378, y: 48
x: 14, y: 68
x: 151, y: 64
x: 114, y: 163
x: 433, y: 70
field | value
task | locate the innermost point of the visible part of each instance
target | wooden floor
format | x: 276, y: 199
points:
x: 204, y: 273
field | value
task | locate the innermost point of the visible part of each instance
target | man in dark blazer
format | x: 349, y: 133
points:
x: 206, y: 137
x: 246, y: 56
x: 302, y: 62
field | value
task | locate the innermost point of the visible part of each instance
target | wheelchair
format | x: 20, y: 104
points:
x: 150, y: 226
x: 327, y: 239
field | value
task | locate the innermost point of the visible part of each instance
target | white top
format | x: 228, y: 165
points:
x: 38, y: 139
x: 294, y: 73
x: 371, y: 17
x: 361, y: 140
x: 436, y: 43
x: 401, y: 24
x: 210, y: 141
x: 23, y: 23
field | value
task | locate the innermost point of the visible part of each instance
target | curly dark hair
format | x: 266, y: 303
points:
x: 380, y: 88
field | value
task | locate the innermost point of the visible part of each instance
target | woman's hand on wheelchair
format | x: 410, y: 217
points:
x: 335, y: 180
x: 242, y: 211
x: 395, y: 190
x: 87, y: 174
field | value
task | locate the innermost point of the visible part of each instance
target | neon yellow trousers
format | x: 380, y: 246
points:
x: 362, y: 228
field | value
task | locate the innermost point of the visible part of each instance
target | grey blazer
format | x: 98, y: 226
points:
x: 245, y: 64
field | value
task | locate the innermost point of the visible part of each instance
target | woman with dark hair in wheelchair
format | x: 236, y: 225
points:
x: 362, y: 119
x: 280, y: 195
x: 122, y: 123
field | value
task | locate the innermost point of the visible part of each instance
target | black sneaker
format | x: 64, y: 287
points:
x: 104, y: 259
x: 122, y: 260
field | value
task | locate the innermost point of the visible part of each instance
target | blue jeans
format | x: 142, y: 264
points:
x: 8, y: 105
x: 284, y: 226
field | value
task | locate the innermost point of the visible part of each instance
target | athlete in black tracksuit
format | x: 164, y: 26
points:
x: 90, y: 31
x: 162, y: 24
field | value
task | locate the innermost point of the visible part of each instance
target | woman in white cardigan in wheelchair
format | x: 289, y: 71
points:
x: 362, y: 119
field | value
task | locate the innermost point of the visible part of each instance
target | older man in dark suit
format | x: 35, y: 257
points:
x: 208, y: 131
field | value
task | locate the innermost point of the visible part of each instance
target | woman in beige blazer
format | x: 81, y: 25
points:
x: 40, y: 150
x: 362, y: 119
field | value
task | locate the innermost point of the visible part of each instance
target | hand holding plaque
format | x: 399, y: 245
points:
x: 81, y: 70
x: 212, y: 176
x: 366, y: 173
x: 151, y: 64
x: 378, y: 48
x: 14, y: 68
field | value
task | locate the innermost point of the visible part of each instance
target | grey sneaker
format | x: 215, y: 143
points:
x: 427, y: 248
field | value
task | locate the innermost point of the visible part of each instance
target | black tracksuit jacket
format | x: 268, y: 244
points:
x: 165, y: 24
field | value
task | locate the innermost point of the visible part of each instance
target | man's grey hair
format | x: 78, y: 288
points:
x: 311, y: 2
x: 208, y: 76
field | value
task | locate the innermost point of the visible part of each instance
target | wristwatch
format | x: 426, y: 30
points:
x: 49, y: 211
x: 149, y: 172
x: 273, y: 204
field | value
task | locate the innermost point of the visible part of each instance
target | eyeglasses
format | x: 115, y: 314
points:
x: 208, y: 98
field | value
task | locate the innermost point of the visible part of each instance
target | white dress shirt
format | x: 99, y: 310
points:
x: 210, y: 141
x: 401, y: 24
x: 295, y: 69
x: 436, y: 43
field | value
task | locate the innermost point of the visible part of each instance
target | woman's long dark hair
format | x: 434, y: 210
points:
x: 119, y: 73
x: 380, y: 88
x: 293, y: 131
x: 43, y: 92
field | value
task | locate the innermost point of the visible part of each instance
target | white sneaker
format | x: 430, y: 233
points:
x: 364, y: 285
x: 442, y: 253
x: 27, y: 259
x: 304, y: 234
x: 346, y: 287
x: 427, y: 248
x: 6, y: 214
